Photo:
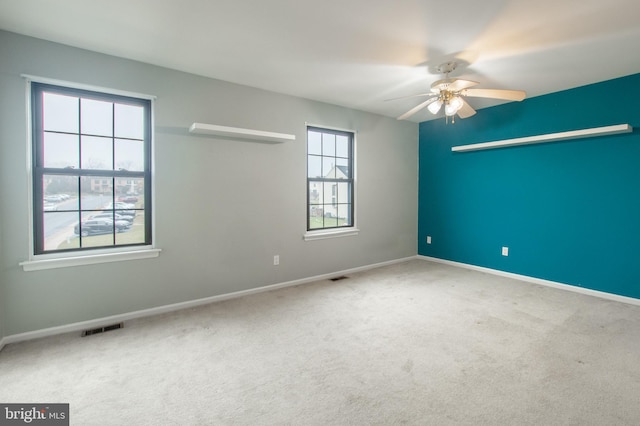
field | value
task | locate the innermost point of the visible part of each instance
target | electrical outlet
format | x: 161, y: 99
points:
x: 428, y: 239
x: 505, y: 251
x: 276, y: 259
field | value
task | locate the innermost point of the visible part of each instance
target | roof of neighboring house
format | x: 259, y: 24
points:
x: 344, y: 170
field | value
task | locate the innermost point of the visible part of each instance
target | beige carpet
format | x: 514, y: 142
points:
x: 416, y: 343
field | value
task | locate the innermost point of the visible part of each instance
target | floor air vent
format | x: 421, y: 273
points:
x: 342, y: 277
x: 102, y: 329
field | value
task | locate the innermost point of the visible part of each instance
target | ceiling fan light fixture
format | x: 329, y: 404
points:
x: 434, y: 107
x: 453, y: 106
x: 451, y: 92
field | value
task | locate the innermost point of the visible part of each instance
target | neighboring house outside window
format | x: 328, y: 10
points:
x: 330, y: 180
x: 91, y: 170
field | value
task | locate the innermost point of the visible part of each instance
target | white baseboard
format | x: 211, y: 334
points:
x: 101, y: 322
x: 547, y: 283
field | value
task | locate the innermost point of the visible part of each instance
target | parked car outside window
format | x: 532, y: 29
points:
x: 100, y: 226
x: 110, y: 216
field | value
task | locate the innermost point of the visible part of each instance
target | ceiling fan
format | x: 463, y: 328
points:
x: 450, y: 93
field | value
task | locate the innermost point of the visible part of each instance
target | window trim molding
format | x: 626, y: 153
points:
x: 37, y: 262
x: 98, y: 256
x: 92, y: 88
x: 323, y: 234
x: 330, y: 233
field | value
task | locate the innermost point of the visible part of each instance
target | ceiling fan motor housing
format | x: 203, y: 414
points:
x: 441, y: 85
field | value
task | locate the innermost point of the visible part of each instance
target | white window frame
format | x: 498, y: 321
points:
x: 321, y: 234
x: 99, y: 255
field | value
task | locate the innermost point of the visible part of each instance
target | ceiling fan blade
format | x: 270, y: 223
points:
x: 417, y: 108
x: 466, y: 110
x: 409, y: 96
x: 458, y: 85
x: 510, y: 95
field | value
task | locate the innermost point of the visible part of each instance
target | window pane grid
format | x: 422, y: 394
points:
x: 91, y: 173
x: 329, y: 179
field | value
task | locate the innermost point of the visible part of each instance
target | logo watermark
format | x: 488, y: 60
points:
x: 34, y: 414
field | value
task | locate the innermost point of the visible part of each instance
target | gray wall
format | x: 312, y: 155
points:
x: 2, y: 285
x: 223, y: 208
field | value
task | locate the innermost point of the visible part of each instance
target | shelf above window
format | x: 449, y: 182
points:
x: 550, y: 137
x: 238, y: 133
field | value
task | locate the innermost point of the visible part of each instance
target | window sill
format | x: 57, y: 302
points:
x: 333, y: 233
x: 65, y: 262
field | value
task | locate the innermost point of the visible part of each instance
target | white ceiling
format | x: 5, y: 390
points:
x: 354, y: 53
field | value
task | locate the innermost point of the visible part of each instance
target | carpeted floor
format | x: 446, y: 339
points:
x: 415, y: 343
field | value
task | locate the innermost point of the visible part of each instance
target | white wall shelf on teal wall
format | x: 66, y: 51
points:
x: 238, y: 133
x: 549, y: 137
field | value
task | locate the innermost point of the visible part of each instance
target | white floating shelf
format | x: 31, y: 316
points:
x: 550, y: 137
x: 236, y: 132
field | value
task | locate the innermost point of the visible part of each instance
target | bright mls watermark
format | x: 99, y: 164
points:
x: 34, y: 414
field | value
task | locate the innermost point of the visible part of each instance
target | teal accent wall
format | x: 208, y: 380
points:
x: 568, y: 211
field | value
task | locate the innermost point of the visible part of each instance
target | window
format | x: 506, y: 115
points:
x: 330, y: 198
x: 91, y: 170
